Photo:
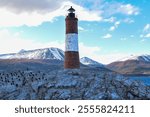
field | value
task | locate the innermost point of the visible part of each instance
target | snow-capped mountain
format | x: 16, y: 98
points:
x: 6, y: 56
x: 22, y: 50
x: 132, y: 65
x: 88, y: 61
x: 145, y: 58
x: 46, y: 53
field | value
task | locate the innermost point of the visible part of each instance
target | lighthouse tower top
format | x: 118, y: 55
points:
x: 71, y: 10
x: 71, y: 13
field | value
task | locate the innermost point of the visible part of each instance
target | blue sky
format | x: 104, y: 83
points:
x: 108, y: 29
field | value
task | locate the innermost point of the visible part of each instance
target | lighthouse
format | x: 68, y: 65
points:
x: 71, y: 41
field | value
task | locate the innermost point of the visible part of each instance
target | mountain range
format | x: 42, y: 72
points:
x: 90, y: 62
x: 131, y: 65
x: 46, y: 53
x: 144, y: 58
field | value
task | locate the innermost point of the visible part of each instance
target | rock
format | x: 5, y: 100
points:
x: 130, y: 96
x: 100, y: 96
x: 115, y: 96
x: 85, y: 83
x: 148, y: 96
x: 65, y: 94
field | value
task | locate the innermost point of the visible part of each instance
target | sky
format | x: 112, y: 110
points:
x: 108, y: 29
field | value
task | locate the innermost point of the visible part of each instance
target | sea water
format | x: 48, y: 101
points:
x: 144, y: 79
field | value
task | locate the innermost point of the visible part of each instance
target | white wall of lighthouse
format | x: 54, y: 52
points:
x: 71, y: 43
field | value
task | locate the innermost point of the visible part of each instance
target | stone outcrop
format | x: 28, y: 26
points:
x: 82, y: 84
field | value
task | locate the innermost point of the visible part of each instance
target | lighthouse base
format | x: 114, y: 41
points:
x: 71, y: 60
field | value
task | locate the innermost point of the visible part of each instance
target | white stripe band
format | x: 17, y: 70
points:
x: 71, y: 43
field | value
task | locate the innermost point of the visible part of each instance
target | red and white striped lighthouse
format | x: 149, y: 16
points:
x: 71, y: 42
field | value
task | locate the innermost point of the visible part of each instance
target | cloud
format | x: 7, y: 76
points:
x: 94, y: 52
x: 132, y: 36
x: 146, y: 28
x: 89, y: 51
x: 92, y: 4
x: 141, y: 36
x: 85, y: 14
x: 117, y: 23
x: 146, y: 31
x: 16, y: 14
x: 33, y: 13
x: 128, y: 9
x: 105, y: 58
x: 110, y: 20
x: 111, y: 8
x: 12, y: 42
x: 147, y: 35
x: 112, y: 28
x: 19, y: 6
x: 107, y: 36
x: 109, y: 58
x: 128, y: 20
x: 123, y: 39
x: 142, y: 40
x: 81, y: 28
